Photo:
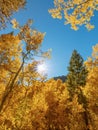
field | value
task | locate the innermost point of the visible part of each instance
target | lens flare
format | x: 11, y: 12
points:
x: 42, y: 68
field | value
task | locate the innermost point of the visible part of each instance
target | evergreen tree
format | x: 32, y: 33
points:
x: 77, y: 73
x: 77, y: 78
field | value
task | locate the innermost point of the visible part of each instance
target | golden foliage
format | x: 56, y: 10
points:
x: 7, y: 8
x: 32, y: 104
x: 17, y: 64
x: 10, y: 50
x: 44, y: 105
x: 33, y: 38
x: 75, y: 12
x: 26, y: 103
x: 38, y: 106
x: 91, y: 88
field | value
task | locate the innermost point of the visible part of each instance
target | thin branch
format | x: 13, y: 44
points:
x: 72, y: 6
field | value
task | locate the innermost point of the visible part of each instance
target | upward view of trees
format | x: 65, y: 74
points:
x: 14, y: 54
x: 27, y: 102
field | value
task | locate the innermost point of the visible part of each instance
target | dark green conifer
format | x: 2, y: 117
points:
x: 77, y: 73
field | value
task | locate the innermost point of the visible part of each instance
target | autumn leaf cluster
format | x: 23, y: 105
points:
x: 75, y: 12
x: 7, y: 8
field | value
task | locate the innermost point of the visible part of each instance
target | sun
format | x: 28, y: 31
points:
x: 42, y: 68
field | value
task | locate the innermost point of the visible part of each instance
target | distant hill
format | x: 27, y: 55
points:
x: 63, y: 78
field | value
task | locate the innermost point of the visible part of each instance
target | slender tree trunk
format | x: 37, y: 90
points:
x: 85, y: 113
x: 86, y: 120
x: 10, y: 85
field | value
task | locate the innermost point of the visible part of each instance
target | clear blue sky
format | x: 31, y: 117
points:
x: 62, y: 39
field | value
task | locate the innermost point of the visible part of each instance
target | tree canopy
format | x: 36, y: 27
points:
x: 75, y: 12
x: 27, y: 103
x: 7, y: 8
